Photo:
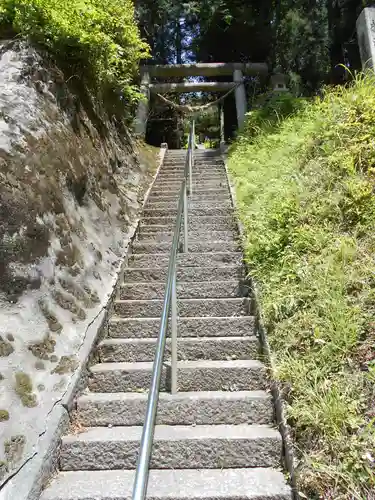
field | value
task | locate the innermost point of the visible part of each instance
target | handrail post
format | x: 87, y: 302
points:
x: 190, y: 173
x: 190, y: 153
x: 174, y: 336
x: 193, y: 141
x: 186, y: 243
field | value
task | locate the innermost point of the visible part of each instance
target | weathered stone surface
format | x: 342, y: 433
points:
x: 217, y: 222
x: 203, y: 234
x: 175, y: 447
x: 198, y: 173
x: 162, y: 209
x: 71, y: 189
x: 185, y: 290
x: 186, y: 307
x: 129, y: 350
x: 123, y: 377
x: 197, y: 186
x: 209, y: 259
x: 239, y: 375
x: 208, y: 196
x: 183, y: 408
x: 150, y: 227
x: 187, y: 327
x: 200, y: 182
x: 195, y: 246
x: 185, y: 274
x: 203, y: 484
x: 198, y: 191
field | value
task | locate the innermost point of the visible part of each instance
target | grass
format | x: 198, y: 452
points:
x: 304, y: 176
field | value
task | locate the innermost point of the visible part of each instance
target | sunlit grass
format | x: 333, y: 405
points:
x: 305, y: 187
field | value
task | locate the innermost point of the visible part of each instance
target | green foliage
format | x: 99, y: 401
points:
x: 269, y: 112
x: 306, y: 199
x: 302, y: 43
x: 97, y: 39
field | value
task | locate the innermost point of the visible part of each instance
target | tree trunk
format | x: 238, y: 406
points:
x: 178, y: 42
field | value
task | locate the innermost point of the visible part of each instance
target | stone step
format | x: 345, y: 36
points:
x: 197, y: 186
x: 196, y: 229
x: 215, y: 348
x: 197, y: 178
x: 198, y: 191
x: 194, y: 220
x: 196, y: 172
x: 197, y: 167
x: 194, y: 273
x: 198, y: 153
x: 208, y: 211
x: 195, y: 209
x: 174, y: 188
x: 197, y: 182
x: 202, y: 375
x: 187, y: 327
x: 198, y: 160
x: 183, y: 408
x: 195, y: 225
x: 195, y: 246
x: 208, y: 161
x: 186, y: 307
x: 197, y: 157
x: 200, y: 234
x: 209, y: 259
x: 215, y: 196
x: 203, y: 484
x: 175, y: 447
x: 185, y: 290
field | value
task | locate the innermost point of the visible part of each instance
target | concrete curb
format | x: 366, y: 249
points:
x: 28, y: 482
x: 261, y: 331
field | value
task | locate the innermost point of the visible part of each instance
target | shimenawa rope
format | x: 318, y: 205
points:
x: 194, y: 109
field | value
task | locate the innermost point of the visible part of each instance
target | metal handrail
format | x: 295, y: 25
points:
x: 170, y: 302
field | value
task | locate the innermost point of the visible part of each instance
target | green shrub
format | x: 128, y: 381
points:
x: 269, y: 112
x: 306, y: 198
x: 97, y: 39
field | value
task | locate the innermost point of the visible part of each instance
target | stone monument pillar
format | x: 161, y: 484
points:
x: 240, y: 96
x: 140, y: 124
x: 366, y: 37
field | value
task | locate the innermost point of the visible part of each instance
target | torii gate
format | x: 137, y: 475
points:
x: 238, y: 70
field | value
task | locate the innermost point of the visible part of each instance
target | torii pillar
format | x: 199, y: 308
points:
x: 240, y: 96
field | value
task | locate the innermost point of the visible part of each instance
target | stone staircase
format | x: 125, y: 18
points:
x: 215, y: 439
